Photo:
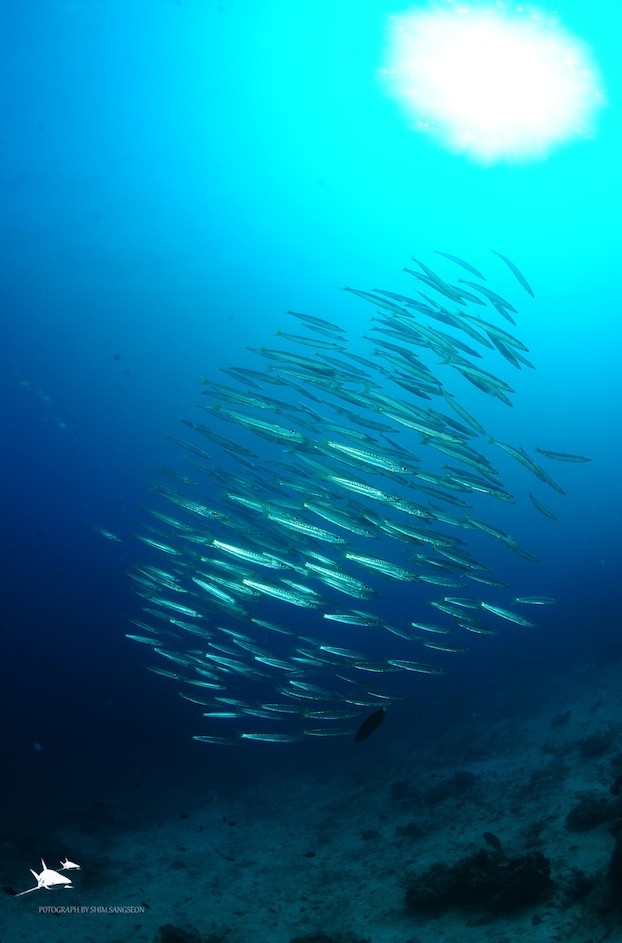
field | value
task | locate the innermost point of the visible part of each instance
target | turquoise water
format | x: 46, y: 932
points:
x: 175, y: 177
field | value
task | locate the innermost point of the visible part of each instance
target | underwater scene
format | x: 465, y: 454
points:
x: 312, y: 439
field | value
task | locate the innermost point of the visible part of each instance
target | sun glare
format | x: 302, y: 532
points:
x: 494, y: 85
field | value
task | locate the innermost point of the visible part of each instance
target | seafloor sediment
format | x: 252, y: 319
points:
x: 333, y: 852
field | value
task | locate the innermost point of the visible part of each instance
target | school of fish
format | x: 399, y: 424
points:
x: 328, y: 490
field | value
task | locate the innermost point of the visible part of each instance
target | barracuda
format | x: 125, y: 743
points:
x: 428, y: 430
x: 277, y: 592
x: 176, y: 607
x: 375, y: 459
x: 359, y: 487
x: 386, y: 411
x: 310, y: 341
x: 382, y: 566
x: 562, y: 456
x: 158, y: 545
x: 271, y: 737
x: 353, y: 618
x: 408, y: 665
x: 309, y: 530
x: 339, y: 520
x: 508, y: 615
x: 272, y: 429
x: 262, y: 559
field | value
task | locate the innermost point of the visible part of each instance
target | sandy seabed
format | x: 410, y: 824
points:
x: 325, y: 853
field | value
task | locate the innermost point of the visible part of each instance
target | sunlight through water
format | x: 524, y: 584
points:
x: 492, y: 84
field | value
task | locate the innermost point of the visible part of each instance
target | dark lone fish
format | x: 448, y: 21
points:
x: 368, y: 726
x: 493, y: 841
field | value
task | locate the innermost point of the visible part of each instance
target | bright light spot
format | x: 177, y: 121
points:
x: 491, y: 84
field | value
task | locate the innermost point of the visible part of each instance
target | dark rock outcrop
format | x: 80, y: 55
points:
x: 483, y: 881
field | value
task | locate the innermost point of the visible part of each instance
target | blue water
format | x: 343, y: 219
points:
x: 175, y: 176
